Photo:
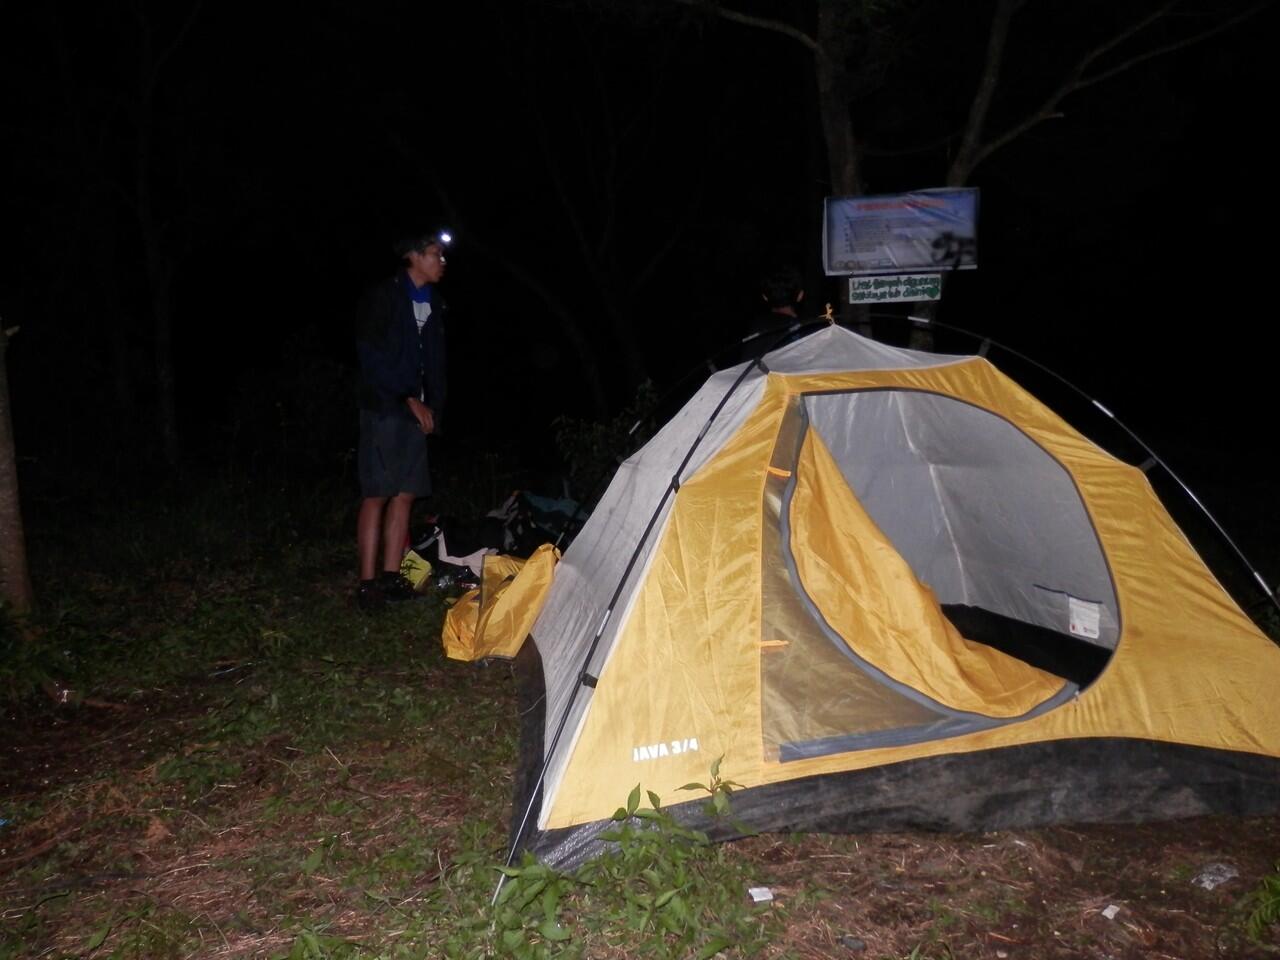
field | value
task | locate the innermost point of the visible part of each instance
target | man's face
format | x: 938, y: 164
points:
x: 428, y: 263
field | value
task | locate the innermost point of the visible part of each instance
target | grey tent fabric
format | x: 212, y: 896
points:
x: 966, y: 498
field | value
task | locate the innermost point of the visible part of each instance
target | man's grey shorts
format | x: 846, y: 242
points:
x: 391, y: 457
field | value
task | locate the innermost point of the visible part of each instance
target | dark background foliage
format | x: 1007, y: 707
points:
x: 618, y: 177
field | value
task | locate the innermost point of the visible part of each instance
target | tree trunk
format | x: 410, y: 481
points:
x: 15, y: 580
x: 843, y: 155
x: 971, y: 143
x: 842, y: 149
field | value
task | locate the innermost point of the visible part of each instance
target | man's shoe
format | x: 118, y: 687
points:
x: 396, y: 588
x: 369, y: 597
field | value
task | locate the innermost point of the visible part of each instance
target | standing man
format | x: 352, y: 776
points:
x: 400, y: 342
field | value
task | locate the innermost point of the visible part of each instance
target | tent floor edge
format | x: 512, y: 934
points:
x: 1097, y: 780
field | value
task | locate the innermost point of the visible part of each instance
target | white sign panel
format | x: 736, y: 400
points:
x: 901, y: 233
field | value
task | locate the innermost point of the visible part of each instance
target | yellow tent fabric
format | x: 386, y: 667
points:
x: 494, y: 619
x: 887, y: 616
x: 680, y: 683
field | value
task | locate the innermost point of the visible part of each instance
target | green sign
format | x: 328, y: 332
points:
x: 915, y: 286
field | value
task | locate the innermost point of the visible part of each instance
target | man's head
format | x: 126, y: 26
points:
x: 783, y: 289
x: 424, y: 255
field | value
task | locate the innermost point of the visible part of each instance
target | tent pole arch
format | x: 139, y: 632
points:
x: 1155, y: 459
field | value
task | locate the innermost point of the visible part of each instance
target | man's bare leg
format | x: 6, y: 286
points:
x: 368, y: 526
x: 395, y: 528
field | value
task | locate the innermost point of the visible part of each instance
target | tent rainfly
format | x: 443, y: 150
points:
x: 892, y: 590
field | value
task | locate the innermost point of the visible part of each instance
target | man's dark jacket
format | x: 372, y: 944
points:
x: 396, y: 361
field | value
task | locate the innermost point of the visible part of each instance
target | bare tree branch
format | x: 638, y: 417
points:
x: 763, y: 23
x: 155, y: 63
x: 987, y: 83
x: 1175, y: 45
x: 1076, y: 79
x: 1048, y: 109
x: 178, y: 37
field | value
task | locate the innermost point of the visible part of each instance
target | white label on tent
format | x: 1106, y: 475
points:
x: 1084, y: 616
x: 655, y: 751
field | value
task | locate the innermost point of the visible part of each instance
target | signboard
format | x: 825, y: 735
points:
x: 913, y: 286
x: 901, y: 233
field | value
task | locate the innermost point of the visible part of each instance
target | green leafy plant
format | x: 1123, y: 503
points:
x: 528, y: 919
x: 660, y: 886
x: 718, y: 805
x: 312, y: 943
x: 718, y: 789
x: 1263, y: 904
x: 671, y: 880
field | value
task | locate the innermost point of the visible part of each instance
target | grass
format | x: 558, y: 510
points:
x: 276, y: 774
x: 245, y: 766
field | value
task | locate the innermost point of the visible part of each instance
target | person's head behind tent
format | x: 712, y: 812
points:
x: 783, y: 290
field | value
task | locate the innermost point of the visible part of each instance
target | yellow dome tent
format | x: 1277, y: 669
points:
x: 891, y: 589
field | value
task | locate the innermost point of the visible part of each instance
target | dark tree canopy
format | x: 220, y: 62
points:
x: 619, y: 179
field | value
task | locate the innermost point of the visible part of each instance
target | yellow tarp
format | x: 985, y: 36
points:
x: 494, y: 619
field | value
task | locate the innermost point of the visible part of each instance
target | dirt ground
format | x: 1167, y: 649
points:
x: 123, y: 837
x: 1106, y: 892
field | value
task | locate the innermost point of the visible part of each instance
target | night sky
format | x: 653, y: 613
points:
x: 628, y: 169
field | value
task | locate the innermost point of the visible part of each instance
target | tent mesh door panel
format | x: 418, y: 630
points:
x: 810, y: 690
x: 818, y: 693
